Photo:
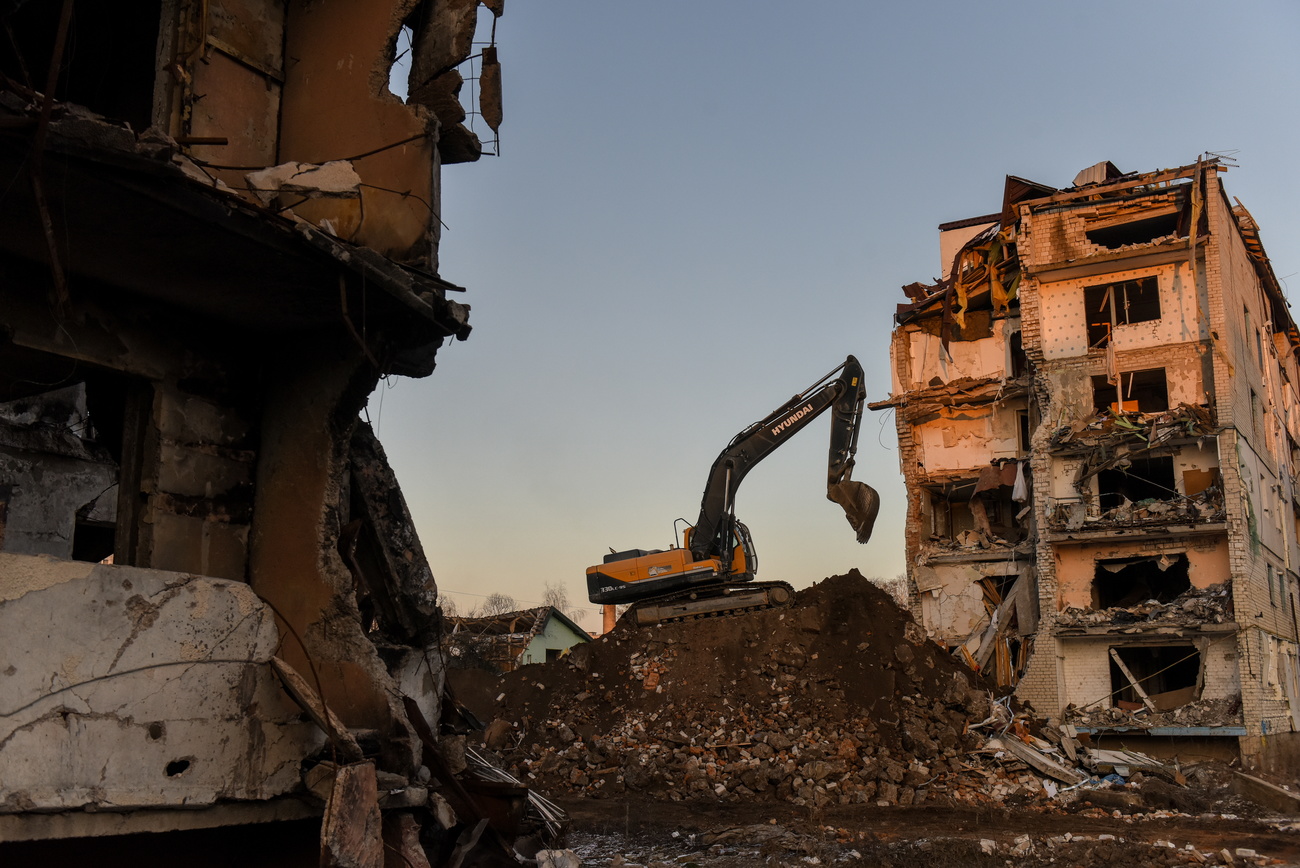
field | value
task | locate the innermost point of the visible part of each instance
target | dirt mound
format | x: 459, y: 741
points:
x: 836, y: 698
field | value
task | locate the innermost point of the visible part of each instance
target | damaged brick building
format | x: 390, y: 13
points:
x: 1099, y: 427
x: 218, y: 231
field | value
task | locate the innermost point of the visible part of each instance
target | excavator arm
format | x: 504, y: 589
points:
x: 713, y: 574
x: 842, y: 391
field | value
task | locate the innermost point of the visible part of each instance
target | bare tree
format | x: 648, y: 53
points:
x: 895, y: 587
x: 556, y: 595
x: 448, y: 607
x: 496, y: 603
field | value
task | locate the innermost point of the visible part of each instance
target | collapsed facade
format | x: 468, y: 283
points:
x: 219, y: 231
x: 1099, y: 427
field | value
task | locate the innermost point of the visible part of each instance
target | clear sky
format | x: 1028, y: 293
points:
x: 701, y: 207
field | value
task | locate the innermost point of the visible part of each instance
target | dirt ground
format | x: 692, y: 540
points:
x: 639, y: 831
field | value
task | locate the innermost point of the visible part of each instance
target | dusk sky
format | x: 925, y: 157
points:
x: 700, y: 208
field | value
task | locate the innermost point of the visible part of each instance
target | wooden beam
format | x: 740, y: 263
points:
x: 1146, y: 700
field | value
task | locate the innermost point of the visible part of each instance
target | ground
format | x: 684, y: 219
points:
x: 645, y: 832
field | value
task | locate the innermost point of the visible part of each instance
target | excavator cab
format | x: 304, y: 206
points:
x: 637, y: 574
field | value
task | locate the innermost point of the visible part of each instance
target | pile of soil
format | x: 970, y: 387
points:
x: 836, y: 699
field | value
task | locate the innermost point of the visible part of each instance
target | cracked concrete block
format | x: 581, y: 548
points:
x: 193, y: 544
x: 190, y: 472
x: 129, y: 688
x: 189, y: 419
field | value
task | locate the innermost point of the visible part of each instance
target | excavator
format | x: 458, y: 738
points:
x: 712, y: 572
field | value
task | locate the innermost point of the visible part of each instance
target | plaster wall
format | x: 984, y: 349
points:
x: 42, y: 495
x: 336, y: 105
x: 978, y: 359
x: 968, y: 438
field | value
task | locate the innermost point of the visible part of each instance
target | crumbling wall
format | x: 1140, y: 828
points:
x: 1060, y: 232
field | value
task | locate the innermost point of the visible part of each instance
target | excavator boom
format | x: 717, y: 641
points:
x: 718, y: 553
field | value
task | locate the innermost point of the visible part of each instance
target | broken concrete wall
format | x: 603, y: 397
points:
x: 972, y: 358
x: 337, y: 106
x: 226, y: 78
x: 139, y: 688
x: 953, y: 600
x: 965, y: 439
x: 262, y: 83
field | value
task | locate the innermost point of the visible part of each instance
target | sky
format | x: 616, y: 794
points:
x: 700, y: 208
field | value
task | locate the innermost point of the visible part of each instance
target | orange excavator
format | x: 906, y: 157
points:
x: 712, y: 572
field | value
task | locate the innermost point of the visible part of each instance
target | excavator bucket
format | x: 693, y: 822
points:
x: 860, y: 503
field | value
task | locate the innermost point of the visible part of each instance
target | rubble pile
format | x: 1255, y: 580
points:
x: 1110, y: 429
x: 1224, y: 711
x: 1209, y: 605
x: 837, y: 699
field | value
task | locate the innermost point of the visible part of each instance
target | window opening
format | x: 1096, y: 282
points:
x: 1022, y: 422
x: 1142, y: 392
x: 1124, y: 582
x: 1122, y: 303
x: 1167, y: 674
x: 1143, y: 479
x: 108, y: 63
x: 1019, y: 360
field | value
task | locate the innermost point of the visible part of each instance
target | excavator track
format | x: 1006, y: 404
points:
x: 712, y: 602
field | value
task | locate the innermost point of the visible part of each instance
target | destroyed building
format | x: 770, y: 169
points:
x: 505, y: 642
x: 1099, y: 427
x: 219, y: 229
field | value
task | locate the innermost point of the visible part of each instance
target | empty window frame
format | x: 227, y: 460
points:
x: 1125, y: 582
x: 1142, y: 479
x: 1142, y: 392
x: 1024, y: 431
x: 1169, y: 675
x: 1123, y: 303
